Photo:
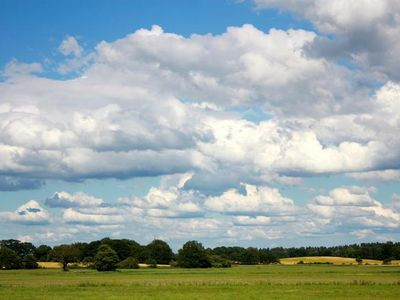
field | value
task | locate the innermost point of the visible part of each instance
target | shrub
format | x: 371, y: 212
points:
x: 88, y: 262
x: 220, y: 262
x: 173, y: 264
x: 387, y: 261
x: 106, y: 259
x: 128, y: 263
x: 300, y: 262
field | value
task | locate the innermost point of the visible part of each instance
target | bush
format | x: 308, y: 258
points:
x: 387, y: 261
x: 220, y: 262
x: 128, y: 263
x: 88, y: 262
x: 29, y: 262
x: 9, y: 259
x: 174, y: 264
x: 300, y: 262
x: 106, y: 259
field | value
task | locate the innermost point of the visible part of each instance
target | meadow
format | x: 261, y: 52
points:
x: 240, y: 282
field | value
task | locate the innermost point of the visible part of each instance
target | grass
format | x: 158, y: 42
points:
x: 241, y: 282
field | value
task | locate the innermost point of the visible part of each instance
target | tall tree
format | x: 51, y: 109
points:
x: 65, y: 254
x: 9, y: 259
x: 160, y: 251
x: 42, y: 253
x: 193, y: 255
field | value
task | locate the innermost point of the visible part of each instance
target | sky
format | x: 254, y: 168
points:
x: 253, y: 123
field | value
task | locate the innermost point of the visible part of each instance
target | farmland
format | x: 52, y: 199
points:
x: 241, y: 282
x: 332, y: 260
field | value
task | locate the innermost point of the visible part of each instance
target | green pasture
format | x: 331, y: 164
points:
x: 239, y: 282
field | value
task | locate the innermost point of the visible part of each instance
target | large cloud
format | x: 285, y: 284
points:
x: 354, y: 207
x: 365, y: 31
x: 167, y: 202
x: 30, y: 213
x: 155, y: 103
x: 261, y: 201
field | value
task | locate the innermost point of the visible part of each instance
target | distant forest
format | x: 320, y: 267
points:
x: 192, y: 254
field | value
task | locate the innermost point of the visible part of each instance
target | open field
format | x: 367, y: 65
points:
x: 330, y: 259
x: 242, y: 282
x: 56, y: 265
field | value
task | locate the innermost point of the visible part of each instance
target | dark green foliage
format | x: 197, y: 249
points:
x: 162, y: 254
x: 151, y: 263
x: 65, y: 254
x: 193, y: 255
x: 21, y: 248
x: 159, y: 251
x: 219, y: 262
x: 249, y: 257
x: 88, y: 262
x: 42, y: 252
x: 128, y: 263
x: 124, y: 248
x: 106, y: 259
x: 267, y: 257
x: 379, y: 251
x: 9, y: 259
x: 90, y: 250
x: 29, y: 262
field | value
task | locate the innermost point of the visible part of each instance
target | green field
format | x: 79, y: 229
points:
x: 240, y: 282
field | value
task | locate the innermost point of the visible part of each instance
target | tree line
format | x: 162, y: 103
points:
x: 109, y: 254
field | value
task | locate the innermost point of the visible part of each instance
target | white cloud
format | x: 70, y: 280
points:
x: 385, y: 175
x: 73, y: 216
x: 168, y: 202
x: 365, y: 31
x: 15, y: 68
x: 70, y: 46
x: 66, y: 200
x: 349, y: 207
x: 114, y: 122
x: 261, y: 201
x: 30, y: 213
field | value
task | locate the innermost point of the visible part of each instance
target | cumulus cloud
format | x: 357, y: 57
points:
x: 66, y: 200
x: 16, y: 69
x: 261, y: 201
x: 155, y: 103
x: 349, y: 207
x: 70, y: 46
x: 101, y: 126
x: 365, y: 31
x: 30, y: 213
x: 168, y: 202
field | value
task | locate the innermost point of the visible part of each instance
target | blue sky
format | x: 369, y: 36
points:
x: 254, y: 122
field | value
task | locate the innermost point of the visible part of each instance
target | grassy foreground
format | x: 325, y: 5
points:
x: 243, y: 282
